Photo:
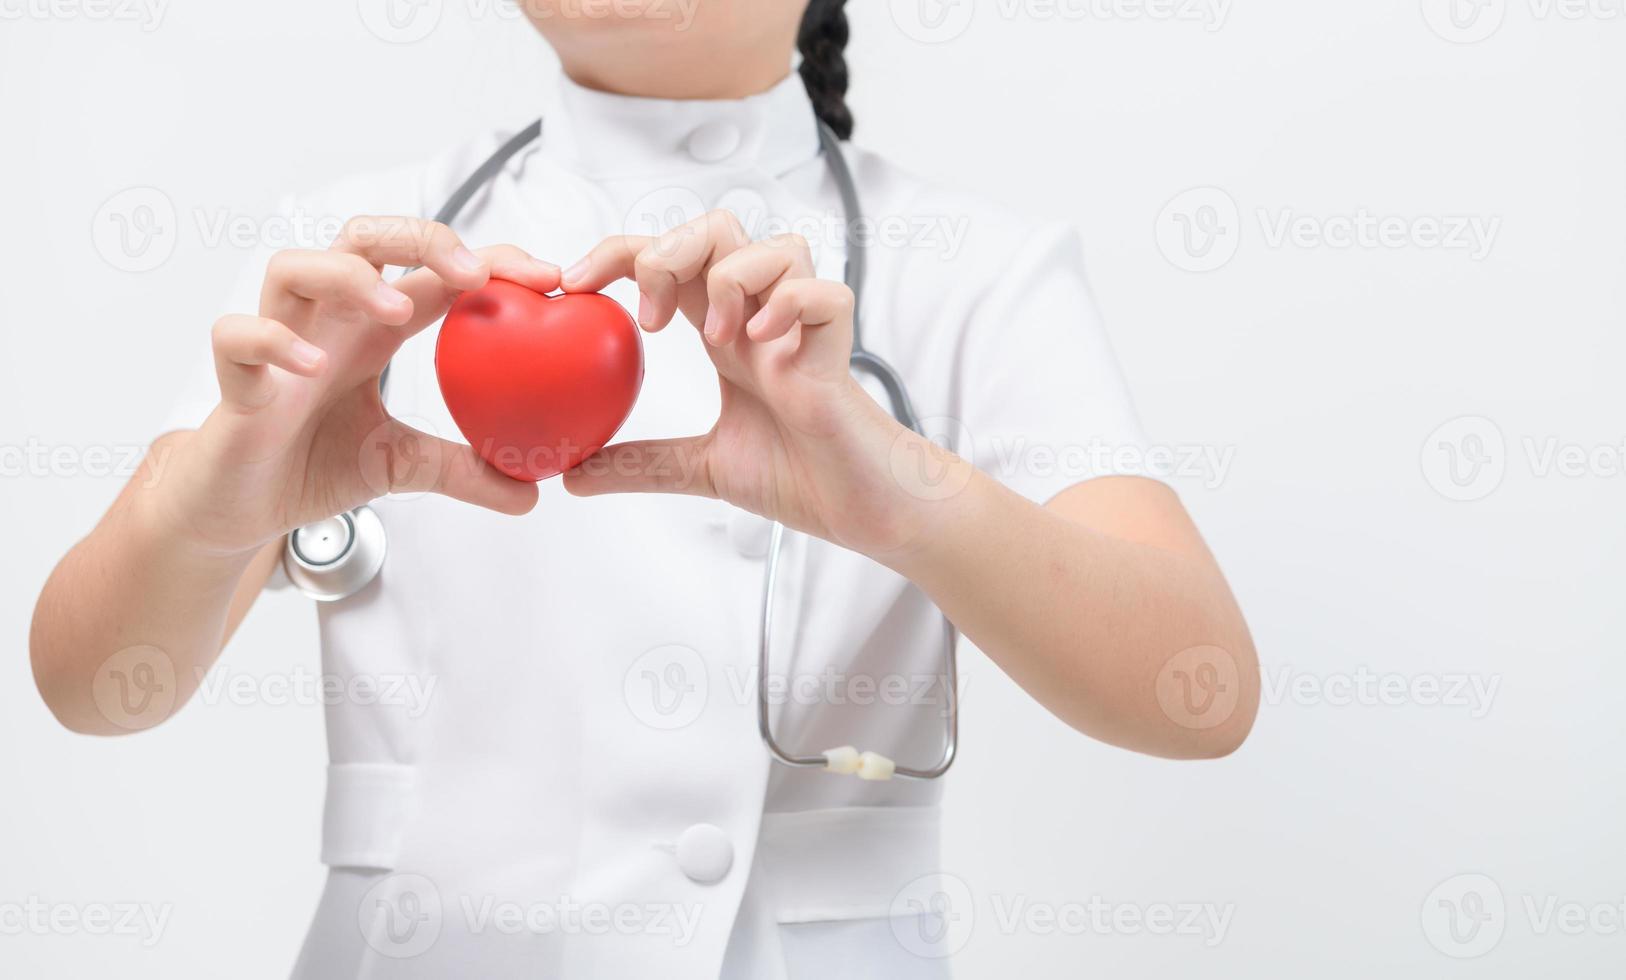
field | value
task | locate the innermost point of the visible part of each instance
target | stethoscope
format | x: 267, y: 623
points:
x: 337, y: 558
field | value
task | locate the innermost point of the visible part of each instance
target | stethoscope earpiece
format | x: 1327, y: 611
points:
x: 336, y: 558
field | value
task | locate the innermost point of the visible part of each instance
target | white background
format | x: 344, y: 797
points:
x: 1323, y: 371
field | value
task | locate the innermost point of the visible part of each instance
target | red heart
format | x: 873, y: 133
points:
x: 538, y: 383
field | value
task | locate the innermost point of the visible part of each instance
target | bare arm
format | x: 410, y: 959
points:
x: 1105, y: 605
x: 137, y: 583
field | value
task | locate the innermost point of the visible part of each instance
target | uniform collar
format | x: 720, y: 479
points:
x: 604, y: 136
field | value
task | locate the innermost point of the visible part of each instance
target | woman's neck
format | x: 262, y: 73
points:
x: 668, y: 85
x: 675, y: 67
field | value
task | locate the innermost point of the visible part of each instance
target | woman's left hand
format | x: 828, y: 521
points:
x: 1111, y: 566
x: 797, y: 440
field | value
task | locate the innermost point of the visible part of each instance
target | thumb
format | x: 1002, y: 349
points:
x: 651, y: 466
x: 398, y: 458
x: 467, y: 477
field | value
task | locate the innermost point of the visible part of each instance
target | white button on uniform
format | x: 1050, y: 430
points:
x: 714, y: 141
x: 705, y: 853
x: 750, y: 534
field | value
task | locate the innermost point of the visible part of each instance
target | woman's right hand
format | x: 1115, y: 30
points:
x: 301, y: 433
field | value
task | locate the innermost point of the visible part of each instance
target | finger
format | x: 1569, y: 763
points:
x: 652, y: 466
x: 609, y: 260
x: 684, y: 255
x: 467, y: 477
x: 823, y: 308
x: 514, y: 264
x: 296, y: 278
x: 245, y: 348
x: 412, y: 242
x: 432, y: 296
x: 657, y: 290
x: 614, y: 258
x: 751, y: 274
x: 455, y: 470
x: 661, y: 266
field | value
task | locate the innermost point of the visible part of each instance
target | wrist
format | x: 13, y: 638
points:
x: 173, y: 490
x: 932, y: 490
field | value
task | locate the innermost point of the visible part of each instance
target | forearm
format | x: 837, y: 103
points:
x: 1101, y: 630
x: 134, y: 614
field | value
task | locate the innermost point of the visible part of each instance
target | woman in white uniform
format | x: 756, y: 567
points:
x: 585, y: 794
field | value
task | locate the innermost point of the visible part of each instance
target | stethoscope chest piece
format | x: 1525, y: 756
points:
x: 336, y: 558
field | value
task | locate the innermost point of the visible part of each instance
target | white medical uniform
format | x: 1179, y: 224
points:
x: 586, y: 795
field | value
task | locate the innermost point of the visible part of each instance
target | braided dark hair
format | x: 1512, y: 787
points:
x: 823, y: 43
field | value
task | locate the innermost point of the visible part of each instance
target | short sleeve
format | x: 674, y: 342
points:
x: 1044, y: 404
